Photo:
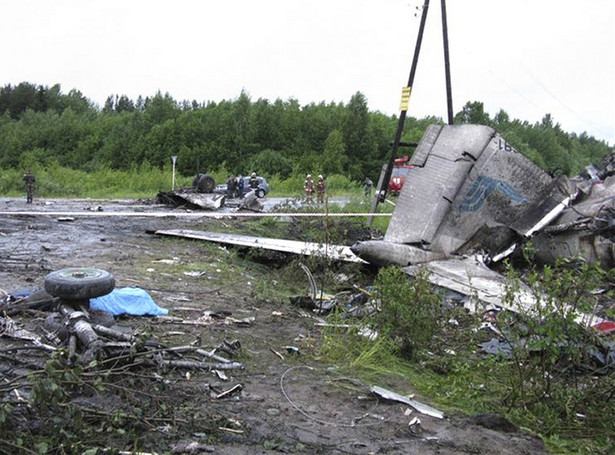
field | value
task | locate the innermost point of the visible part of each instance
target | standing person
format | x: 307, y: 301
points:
x: 368, y: 186
x: 240, y: 185
x: 231, y: 187
x: 253, y: 181
x: 30, y: 180
x: 308, y: 189
x: 320, y: 189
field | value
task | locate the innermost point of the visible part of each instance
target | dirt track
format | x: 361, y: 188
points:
x: 291, y: 404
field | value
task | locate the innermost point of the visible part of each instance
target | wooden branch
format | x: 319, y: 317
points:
x: 114, y: 334
x: 196, y: 365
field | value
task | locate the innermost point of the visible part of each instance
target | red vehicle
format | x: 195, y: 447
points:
x: 401, y: 168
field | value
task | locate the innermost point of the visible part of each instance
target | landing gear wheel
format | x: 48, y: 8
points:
x: 79, y: 283
x: 260, y: 193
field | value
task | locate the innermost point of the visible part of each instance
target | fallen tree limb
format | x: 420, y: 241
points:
x: 196, y: 365
x: 15, y: 308
x: 114, y: 334
x: 211, y: 355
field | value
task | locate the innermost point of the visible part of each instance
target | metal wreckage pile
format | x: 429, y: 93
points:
x: 203, y: 195
x: 470, y: 192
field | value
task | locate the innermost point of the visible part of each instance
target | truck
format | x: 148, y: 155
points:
x: 400, y: 170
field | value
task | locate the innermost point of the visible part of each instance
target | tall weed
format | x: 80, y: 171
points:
x: 410, y: 311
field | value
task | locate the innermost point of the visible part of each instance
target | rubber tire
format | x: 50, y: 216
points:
x: 79, y: 283
x: 260, y: 193
x: 206, y: 184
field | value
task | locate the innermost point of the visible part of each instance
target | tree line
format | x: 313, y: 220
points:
x: 40, y: 125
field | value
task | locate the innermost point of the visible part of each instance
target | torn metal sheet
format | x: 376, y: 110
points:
x: 471, y: 277
x: 334, y: 252
x: 420, y: 407
x: 251, y: 202
x: 207, y: 201
x: 583, y: 230
x: 10, y: 329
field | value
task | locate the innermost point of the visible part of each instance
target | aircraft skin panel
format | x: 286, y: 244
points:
x: 462, y: 140
x: 208, y: 201
x: 427, y: 141
x: 471, y: 277
x: 499, y: 189
x: 422, y: 205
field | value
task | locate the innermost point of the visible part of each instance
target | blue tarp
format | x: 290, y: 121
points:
x: 134, y: 301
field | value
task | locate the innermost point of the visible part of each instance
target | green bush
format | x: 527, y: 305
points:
x: 410, y: 311
x: 552, y: 367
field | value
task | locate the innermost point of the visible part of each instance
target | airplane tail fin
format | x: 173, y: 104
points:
x: 466, y: 180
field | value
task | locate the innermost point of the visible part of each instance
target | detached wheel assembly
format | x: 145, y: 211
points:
x: 206, y: 184
x: 79, y: 283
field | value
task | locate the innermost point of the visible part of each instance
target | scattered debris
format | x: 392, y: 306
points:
x: 600, y: 350
x: 230, y: 392
x: 414, y: 423
x: 277, y: 353
x: 208, y: 318
x: 420, y: 407
x: 311, y: 280
x: 359, y: 305
x: 251, y: 202
x: 191, y: 199
x: 192, y: 447
x: 605, y: 327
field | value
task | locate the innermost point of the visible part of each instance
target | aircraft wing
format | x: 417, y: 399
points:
x: 334, y: 252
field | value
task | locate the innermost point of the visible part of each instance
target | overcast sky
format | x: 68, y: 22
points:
x: 528, y: 57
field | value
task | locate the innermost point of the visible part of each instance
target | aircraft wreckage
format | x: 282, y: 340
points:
x: 471, y: 200
x: 470, y: 191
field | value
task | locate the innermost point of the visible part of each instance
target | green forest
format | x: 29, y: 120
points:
x: 41, y: 127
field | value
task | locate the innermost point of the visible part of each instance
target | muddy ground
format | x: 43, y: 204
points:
x: 282, y: 403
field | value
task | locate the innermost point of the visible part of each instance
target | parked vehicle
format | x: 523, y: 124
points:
x: 261, y: 191
x: 401, y: 168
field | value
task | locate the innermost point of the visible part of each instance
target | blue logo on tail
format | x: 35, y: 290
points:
x: 482, y: 188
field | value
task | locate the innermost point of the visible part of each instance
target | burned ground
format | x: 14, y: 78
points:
x: 283, y: 400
